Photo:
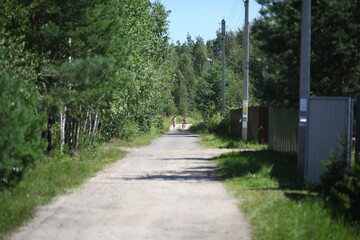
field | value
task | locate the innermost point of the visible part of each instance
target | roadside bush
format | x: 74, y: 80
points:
x: 21, y: 145
x: 158, y: 122
x: 341, y: 186
x: 218, y: 124
x: 127, y: 129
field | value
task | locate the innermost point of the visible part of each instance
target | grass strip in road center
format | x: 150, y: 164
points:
x: 275, y: 202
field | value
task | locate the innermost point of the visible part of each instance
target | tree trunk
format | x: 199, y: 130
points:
x: 50, y: 134
x: 62, y: 128
x: 77, y: 130
x: 96, y: 123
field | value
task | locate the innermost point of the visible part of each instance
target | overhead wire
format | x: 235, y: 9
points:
x: 240, y: 18
x: 233, y: 11
x: 235, y: 15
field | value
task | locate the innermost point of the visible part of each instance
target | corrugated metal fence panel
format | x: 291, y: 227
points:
x: 283, y: 129
x: 329, y: 127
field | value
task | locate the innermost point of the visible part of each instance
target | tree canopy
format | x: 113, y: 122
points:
x: 75, y: 73
x: 335, y: 41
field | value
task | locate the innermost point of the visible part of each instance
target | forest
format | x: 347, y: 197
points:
x: 76, y: 73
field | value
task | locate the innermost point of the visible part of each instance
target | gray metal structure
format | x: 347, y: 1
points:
x: 223, y: 35
x: 304, y: 90
x: 246, y: 75
x: 329, y: 124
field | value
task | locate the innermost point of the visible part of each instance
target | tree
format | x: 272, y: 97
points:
x: 21, y: 145
x: 208, y: 96
x: 200, y: 57
x: 334, y: 62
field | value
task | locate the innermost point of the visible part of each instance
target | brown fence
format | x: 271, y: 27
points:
x: 257, y: 124
x: 276, y: 126
x: 283, y: 129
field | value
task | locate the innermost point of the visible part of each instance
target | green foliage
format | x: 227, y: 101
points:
x: 158, y: 122
x: 94, y: 63
x: 219, y: 125
x: 334, y: 56
x: 198, y: 74
x: 341, y: 186
x: 208, y: 97
x: 214, y: 133
x: 52, y: 177
x: 275, y: 202
x: 21, y: 145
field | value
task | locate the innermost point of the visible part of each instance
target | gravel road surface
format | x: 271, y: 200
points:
x: 163, y: 191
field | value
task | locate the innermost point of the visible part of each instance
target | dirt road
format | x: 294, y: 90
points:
x: 163, y: 191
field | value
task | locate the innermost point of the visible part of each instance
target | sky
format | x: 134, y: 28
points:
x: 203, y: 17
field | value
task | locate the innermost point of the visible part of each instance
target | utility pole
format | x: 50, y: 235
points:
x: 246, y: 75
x: 223, y: 68
x: 304, y: 85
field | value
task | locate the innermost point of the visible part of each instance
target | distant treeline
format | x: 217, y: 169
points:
x: 76, y: 73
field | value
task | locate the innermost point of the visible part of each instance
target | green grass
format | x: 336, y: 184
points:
x: 142, y: 139
x: 274, y: 200
x: 56, y: 175
x: 212, y: 140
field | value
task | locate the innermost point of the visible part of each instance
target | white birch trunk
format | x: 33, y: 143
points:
x: 96, y: 123
x: 62, y: 128
x: 77, y: 131
x: 90, y: 122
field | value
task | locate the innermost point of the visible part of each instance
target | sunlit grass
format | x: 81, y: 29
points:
x: 56, y: 175
x: 274, y: 200
x: 212, y: 140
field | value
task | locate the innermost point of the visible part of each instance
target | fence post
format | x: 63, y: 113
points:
x: 357, y: 134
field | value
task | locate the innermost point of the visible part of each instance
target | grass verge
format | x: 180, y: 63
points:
x: 52, y: 177
x: 57, y: 175
x: 275, y: 202
x: 213, y: 140
x: 142, y: 139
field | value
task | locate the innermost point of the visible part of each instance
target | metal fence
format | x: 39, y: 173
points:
x: 283, y: 129
x: 329, y: 129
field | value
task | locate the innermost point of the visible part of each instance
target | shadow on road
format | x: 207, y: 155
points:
x: 186, y: 159
x: 201, y: 173
x: 181, y: 133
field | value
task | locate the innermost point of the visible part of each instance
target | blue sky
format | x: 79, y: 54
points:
x: 203, y: 17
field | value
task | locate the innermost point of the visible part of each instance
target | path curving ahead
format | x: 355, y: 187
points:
x: 163, y: 191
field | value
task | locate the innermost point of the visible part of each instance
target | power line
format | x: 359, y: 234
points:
x: 233, y: 12
x: 241, y: 16
x: 236, y: 15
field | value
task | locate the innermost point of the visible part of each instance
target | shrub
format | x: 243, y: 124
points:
x: 158, y: 122
x: 341, y: 186
x: 127, y: 129
x: 218, y: 124
x: 21, y: 145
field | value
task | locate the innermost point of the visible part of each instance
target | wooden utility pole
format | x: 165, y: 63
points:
x: 223, y: 106
x: 246, y: 75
